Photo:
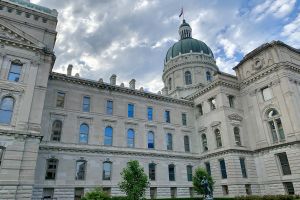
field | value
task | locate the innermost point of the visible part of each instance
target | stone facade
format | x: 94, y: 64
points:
x: 244, y: 129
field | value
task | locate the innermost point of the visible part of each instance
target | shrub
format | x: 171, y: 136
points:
x: 96, y: 194
x: 200, y: 173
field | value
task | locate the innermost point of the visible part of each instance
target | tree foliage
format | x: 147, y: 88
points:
x: 199, y: 174
x: 134, y: 181
x: 96, y: 194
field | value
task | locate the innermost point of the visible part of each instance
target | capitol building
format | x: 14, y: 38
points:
x: 62, y: 135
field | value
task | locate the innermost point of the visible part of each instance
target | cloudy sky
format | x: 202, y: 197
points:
x: 131, y: 37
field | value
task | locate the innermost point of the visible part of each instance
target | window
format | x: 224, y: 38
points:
x: 207, y: 167
x: 84, y: 133
x: 6, y: 110
x: 150, y: 140
x: 152, y: 171
x: 150, y: 113
x: 218, y: 138
x: 183, y: 119
x: 109, y: 107
x: 173, y: 191
x: 237, y: 136
x: 189, y: 171
x: 130, y: 110
x: 208, y: 76
x: 186, y: 143
x: 80, y: 169
x: 14, y: 72
x: 248, y: 189
x: 167, y: 116
x: 275, y: 125
x: 56, y: 131
x: 170, y: 83
x: 191, y: 189
x: 267, y: 93
x: 60, y: 99
x: 2, y: 149
x: 169, y: 140
x: 79, y: 193
x: 51, y: 168
x: 171, y: 172
x: 243, y: 167
x: 289, y: 188
x: 107, y: 171
x: 153, y: 192
x: 284, y: 162
x: 130, y: 138
x: 223, y: 168
x: 231, y: 101
x: 225, y: 189
x: 86, y: 104
x: 204, y: 142
x: 48, y: 193
x: 108, y: 136
x: 212, y: 103
x: 188, y: 78
x: 200, y: 110
x: 107, y: 190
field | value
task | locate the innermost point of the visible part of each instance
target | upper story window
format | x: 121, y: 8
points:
x: 152, y: 169
x: 275, y: 125
x: 6, y: 109
x: 107, y: 167
x: 171, y: 168
x: 208, y: 76
x: 231, y: 100
x: 108, y: 136
x: 86, y: 104
x: 218, y: 138
x: 56, y: 131
x: 130, y: 110
x: 150, y: 113
x: 223, y: 168
x: 200, y: 109
x: 80, y: 169
x: 14, y: 72
x: 267, y: 93
x: 189, y: 171
x: 188, y: 77
x: 284, y: 162
x: 51, y: 168
x: 169, y: 141
x: 207, y: 167
x: 212, y: 103
x: 130, y: 138
x: 151, y: 140
x: 183, y: 119
x: 243, y: 167
x: 167, y: 116
x: 204, y: 142
x: 170, y: 84
x: 60, y: 99
x: 109, y: 107
x: 84, y: 133
x: 237, y: 136
x: 2, y: 149
x: 186, y: 143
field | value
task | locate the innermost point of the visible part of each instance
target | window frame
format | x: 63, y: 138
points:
x: 109, y: 109
x: 243, y: 167
x: 77, y: 178
x: 130, y: 110
x: 2, y: 151
x: 218, y: 137
x: 184, y: 119
x: 152, y: 171
x: 169, y: 141
x: 59, y: 94
x: 277, y: 133
x: 52, y: 171
x: 188, y: 78
x: 81, y: 133
x: 167, y: 116
x: 106, y: 137
x: 237, y: 136
x: 208, y: 168
x: 172, y: 175
x: 189, y: 172
x: 110, y: 171
x: 7, y: 112
x: 231, y: 101
x: 130, y: 130
x: 204, y: 142
x: 88, y: 104
x: 223, y: 169
x: 12, y: 64
x: 58, y: 130
x: 213, y: 106
x: 150, y: 113
x: 284, y: 166
x: 186, y: 141
x: 153, y: 135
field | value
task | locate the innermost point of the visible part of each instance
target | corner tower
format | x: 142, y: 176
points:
x: 188, y: 66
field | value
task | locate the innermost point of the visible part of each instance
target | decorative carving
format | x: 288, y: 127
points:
x: 215, y: 123
x: 202, y: 129
x: 258, y: 63
x: 235, y: 117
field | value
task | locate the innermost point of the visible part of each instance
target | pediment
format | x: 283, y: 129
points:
x: 215, y: 123
x: 235, y: 117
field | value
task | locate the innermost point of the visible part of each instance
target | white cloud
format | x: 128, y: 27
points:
x: 292, y: 32
x: 229, y: 47
x: 226, y: 65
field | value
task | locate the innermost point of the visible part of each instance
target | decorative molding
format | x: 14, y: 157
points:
x: 109, y: 120
x: 85, y: 117
x: 235, y: 117
x: 215, y: 123
x: 202, y: 129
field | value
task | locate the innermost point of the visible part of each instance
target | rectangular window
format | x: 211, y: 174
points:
x: 169, y: 140
x: 130, y: 110
x: 289, y: 188
x: 1, y: 154
x: 186, y: 143
x: 51, y: 169
x: 212, y: 103
x: 207, y: 167
x: 231, y: 101
x: 14, y: 72
x: 189, y: 171
x: 86, y: 104
x: 171, y: 172
x: 173, y: 192
x: 284, y: 162
x: 248, y: 189
x: 107, y: 171
x: 60, y: 99
x: 225, y: 190
x: 78, y: 193
x: 107, y: 190
x: 109, y: 107
x: 267, y: 93
x: 48, y: 193
x: 200, y: 109
x: 243, y: 167
x: 80, y: 170
x: 150, y: 113
x: 153, y: 192
x: 152, y: 171
x: 191, y: 189
x: 183, y: 118
x: 223, y: 168
x: 167, y: 116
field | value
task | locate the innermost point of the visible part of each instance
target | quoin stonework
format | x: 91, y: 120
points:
x: 62, y: 135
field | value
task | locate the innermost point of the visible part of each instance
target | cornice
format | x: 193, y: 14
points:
x: 20, y: 134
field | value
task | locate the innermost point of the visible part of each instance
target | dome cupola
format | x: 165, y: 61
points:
x: 185, y: 31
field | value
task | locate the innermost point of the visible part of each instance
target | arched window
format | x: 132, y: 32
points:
x: 108, y: 136
x: 107, y: 167
x: 237, y: 136
x: 218, y: 138
x: 130, y: 138
x: 186, y: 143
x: 84, y: 133
x: 152, y: 169
x: 208, y: 76
x: 169, y: 141
x: 204, y: 142
x: 275, y: 125
x: 151, y: 143
x: 56, y: 131
x: 171, y: 168
x: 170, y: 84
x: 80, y: 169
x: 6, y: 110
x: 51, y: 168
x: 188, y: 77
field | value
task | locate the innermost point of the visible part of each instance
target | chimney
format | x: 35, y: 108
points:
x: 132, y: 84
x: 69, y: 70
x: 113, y: 79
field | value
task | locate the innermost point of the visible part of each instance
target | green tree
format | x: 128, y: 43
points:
x: 200, y: 173
x: 96, y: 194
x: 134, y: 181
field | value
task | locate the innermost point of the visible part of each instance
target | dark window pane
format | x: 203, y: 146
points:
x: 285, y: 166
x: 80, y: 170
x: 171, y: 173
x: 169, y: 140
x: 150, y: 140
x: 109, y: 107
x: 152, y: 171
x: 189, y: 170
x: 167, y: 116
x: 86, y: 104
x: 183, y: 116
x: 223, y: 168
x: 207, y: 166
x: 60, y: 99
x: 243, y: 167
x: 186, y: 143
x: 107, y: 170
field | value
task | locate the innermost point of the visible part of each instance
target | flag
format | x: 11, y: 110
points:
x: 181, y: 13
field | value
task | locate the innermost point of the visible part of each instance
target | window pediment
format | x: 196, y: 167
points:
x: 235, y: 117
